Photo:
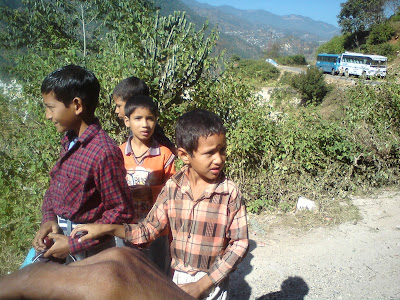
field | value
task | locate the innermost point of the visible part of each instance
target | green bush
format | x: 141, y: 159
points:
x: 258, y: 71
x: 373, y: 119
x: 294, y: 60
x: 380, y: 33
x: 271, y: 153
x: 384, y: 49
x: 27, y: 152
x: 277, y: 157
x: 334, y: 46
x: 311, y: 85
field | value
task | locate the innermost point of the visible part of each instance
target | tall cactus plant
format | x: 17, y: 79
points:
x: 174, y: 56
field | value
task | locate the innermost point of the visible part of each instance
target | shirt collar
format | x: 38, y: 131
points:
x: 154, y: 149
x: 86, y: 137
x: 182, y: 181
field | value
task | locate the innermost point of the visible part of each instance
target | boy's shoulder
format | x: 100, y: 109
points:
x: 98, y: 141
x: 227, y: 186
x: 164, y: 150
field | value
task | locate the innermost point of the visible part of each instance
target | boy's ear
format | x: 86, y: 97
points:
x: 126, y: 121
x: 184, y: 155
x: 78, y: 105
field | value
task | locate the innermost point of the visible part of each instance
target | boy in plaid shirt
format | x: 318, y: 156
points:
x: 204, y: 210
x: 88, y: 181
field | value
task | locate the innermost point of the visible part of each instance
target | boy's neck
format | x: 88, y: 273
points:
x: 139, y: 147
x: 198, y: 184
x: 83, y: 125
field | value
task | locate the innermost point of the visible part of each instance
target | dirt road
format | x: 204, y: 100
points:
x: 355, y: 260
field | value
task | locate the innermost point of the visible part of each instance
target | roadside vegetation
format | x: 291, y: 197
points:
x: 310, y: 139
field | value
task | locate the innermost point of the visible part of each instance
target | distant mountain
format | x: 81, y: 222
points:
x: 249, y: 32
x: 231, y: 44
x: 291, y: 24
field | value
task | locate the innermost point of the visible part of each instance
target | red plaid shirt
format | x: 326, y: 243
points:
x: 209, y: 234
x: 88, y: 184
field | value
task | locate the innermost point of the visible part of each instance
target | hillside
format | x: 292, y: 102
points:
x: 249, y: 32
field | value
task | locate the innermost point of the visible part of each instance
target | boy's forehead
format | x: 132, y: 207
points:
x: 117, y: 98
x: 50, y: 97
x: 141, y: 110
x: 211, y: 140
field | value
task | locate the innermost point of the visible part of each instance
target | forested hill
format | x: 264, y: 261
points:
x: 249, y: 32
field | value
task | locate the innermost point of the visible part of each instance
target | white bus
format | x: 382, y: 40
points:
x: 365, y: 65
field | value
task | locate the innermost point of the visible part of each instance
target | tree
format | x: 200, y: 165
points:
x: 273, y: 50
x: 61, y: 24
x: 174, y: 56
x: 358, y: 16
x: 381, y: 33
x: 334, y: 45
x: 114, y: 39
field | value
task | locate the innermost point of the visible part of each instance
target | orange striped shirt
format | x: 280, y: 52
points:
x: 147, y: 175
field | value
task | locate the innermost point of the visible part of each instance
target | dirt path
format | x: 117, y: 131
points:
x: 357, y: 260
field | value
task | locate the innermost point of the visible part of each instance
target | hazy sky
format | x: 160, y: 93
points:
x: 320, y: 10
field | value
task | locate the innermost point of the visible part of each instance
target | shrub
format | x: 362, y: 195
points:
x: 373, y: 119
x: 257, y: 69
x: 27, y: 152
x: 278, y: 157
x: 335, y: 45
x: 255, y: 72
x: 384, y: 49
x: 294, y: 60
x: 311, y: 85
x: 380, y: 33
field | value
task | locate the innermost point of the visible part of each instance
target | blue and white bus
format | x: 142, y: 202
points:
x: 329, y: 63
x: 364, y: 65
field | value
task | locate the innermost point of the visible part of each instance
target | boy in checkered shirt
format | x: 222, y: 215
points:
x: 204, y: 210
x: 88, y: 181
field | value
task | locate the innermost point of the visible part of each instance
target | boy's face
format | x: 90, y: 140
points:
x: 209, y: 158
x: 142, y: 123
x: 64, y: 118
x: 119, y: 106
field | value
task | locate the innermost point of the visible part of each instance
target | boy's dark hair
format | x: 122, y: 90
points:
x: 195, y: 124
x: 130, y: 87
x: 140, y: 101
x: 73, y: 81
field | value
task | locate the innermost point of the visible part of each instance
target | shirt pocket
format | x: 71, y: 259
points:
x: 70, y: 193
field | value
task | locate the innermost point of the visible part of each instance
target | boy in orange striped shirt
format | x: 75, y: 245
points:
x: 149, y: 165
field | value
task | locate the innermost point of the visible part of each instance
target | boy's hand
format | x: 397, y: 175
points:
x: 89, y: 231
x: 44, y: 230
x: 60, y: 248
x: 196, y: 289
